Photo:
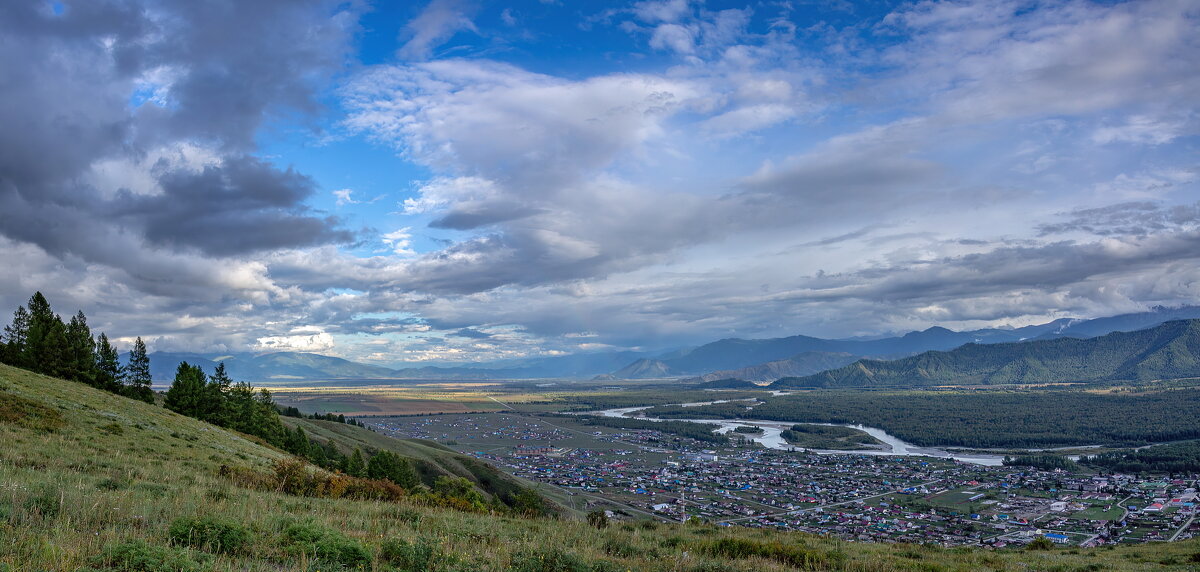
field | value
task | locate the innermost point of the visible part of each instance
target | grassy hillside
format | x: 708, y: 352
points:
x: 1168, y: 351
x: 430, y: 459
x: 92, y: 481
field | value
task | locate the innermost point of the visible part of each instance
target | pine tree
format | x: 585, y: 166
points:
x: 355, y: 466
x: 187, y: 395
x: 108, y: 366
x: 46, y: 344
x: 217, y: 409
x: 16, y: 337
x: 393, y: 467
x: 81, y: 351
x: 297, y: 443
x: 137, y: 373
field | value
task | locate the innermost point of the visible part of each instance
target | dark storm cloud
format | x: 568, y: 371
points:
x: 242, y: 206
x: 117, y: 82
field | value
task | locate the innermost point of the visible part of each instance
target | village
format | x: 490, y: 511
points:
x: 644, y: 473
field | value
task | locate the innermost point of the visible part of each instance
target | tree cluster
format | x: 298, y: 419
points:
x: 339, y: 418
x: 1170, y: 458
x: 40, y: 341
x: 218, y: 400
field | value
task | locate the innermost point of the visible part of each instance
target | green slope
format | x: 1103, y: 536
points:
x: 1168, y: 351
x: 90, y: 481
x: 430, y: 459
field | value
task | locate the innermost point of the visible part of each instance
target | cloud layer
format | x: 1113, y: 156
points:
x: 746, y: 172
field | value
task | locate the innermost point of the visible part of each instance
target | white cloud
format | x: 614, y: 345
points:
x: 303, y: 342
x: 440, y: 20
x: 1140, y: 129
x: 400, y: 241
x: 661, y: 10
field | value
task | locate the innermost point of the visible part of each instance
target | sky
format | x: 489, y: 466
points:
x: 463, y: 181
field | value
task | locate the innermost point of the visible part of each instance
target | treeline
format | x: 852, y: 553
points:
x: 697, y: 431
x: 984, y: 419
x: 1170, y: 458
x: 339, y: 418
x: 40, y: 341
x: 1043, y: 462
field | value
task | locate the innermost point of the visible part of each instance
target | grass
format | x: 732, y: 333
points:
x: 78, y: 497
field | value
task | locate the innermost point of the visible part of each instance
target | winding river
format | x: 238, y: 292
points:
x: 772, y: 438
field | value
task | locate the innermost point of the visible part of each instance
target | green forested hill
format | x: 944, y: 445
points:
x: 1167, y: 351
x: 91, y: 481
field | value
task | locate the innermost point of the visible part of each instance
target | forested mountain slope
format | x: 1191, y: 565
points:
x: 1168, y: 351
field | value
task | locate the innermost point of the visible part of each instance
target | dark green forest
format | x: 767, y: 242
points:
x: 697, y: 431
x: 1168, y: 351
x: 1169, y: 458
x: 984, y: 418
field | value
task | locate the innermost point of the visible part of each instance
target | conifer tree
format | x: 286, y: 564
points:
x: 393, y: 467
x: 355, y: 466
x: 216, y: 410
x: 81, y: 351
x: 137, y: 373
x: 46, y: 343
x: 187, y: 395
x: 16, y: 336
x: 108, y: 365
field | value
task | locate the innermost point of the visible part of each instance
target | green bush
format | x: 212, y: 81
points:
x: 418, y: 556
x: 598, y: 519
x: 797, y: 556
x: 47, y: 502
x: 138, y: 556
x: 327, y: 546
x: 1040, y: 543
x: 210, y: 534
x: 548, y: 560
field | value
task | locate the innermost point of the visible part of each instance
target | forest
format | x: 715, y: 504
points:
x: 697, y: 431
x: 984, y: 419
x: 1168, y: 351
x: 1169, y: 458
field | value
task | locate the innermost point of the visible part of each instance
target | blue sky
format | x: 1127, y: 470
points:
x: 464, y: 181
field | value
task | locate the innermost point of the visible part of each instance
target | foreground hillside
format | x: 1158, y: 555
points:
x: 93, y: 481
x: 1167, y: 351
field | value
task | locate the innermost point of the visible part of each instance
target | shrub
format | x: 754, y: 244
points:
x: 796, y: 556
x: 1040, y: 543
x: 418, y: 556
x: 246, y: 477
x: 554, y: 560
x: 47, y: 502
x: 598, y: 519
x: 29, y: 413
x: 111, y: 484
x: 210, y: 534
x: 325, y: 545
x: 138, y: 556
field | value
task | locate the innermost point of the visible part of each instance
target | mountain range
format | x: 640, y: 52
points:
x: 752, y: 360
x: 756, y: 359
x: 1167, y: 351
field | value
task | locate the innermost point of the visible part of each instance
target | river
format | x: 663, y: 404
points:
x: 772, y: 438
